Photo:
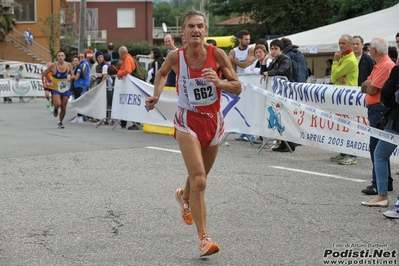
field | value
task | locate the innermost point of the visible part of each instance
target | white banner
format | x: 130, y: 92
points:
x: 33, y: 71
x: 307, y: 116
x: 129, y: 98
x: 93, y: 103
x: 24, y: 87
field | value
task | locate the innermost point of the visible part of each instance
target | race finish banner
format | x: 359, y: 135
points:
x: 324, y: 116
x: 33, y: 71
x: 24, y: 87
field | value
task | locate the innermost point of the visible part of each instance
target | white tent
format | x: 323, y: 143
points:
x: 383, y: 23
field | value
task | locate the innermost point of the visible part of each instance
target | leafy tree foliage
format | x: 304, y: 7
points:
x: 292, y: 16
x: 7, y: 20
x: 57, y: 32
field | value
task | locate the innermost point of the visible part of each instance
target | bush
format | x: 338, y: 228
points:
x: 143, y: 48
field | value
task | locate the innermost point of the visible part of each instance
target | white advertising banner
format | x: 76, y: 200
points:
x: 302, y: 113
x: 129, y: 98
x: 24, y: 87
x: 33, y: 71
x: 93, y: 103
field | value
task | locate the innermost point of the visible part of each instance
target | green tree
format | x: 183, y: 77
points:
x: 292, y: 16
x: 58, y: 28
x: 346, y: 9
x: 7, y: 19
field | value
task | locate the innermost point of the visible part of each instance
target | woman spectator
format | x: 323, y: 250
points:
x: 17, y: 78
x: 260, y: 54
x: 156, y: 54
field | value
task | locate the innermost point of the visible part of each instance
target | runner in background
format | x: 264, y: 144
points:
x: 48, y: 90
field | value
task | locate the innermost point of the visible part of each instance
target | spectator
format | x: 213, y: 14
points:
x: 300, y: 71
x: 155, y: 54
x: 99, y: 67
x: 211, y: 41
x: 372, y: 88
x: 242, y: 56
x: 345, y: 71
x: 169, y: 42
x: 128, y: 66
x: 327, y: 73
x: 280, y: 66
x: 384, y: 150
x: 110, y: 49
x: 112, y: 72
x: 264, y: 42
x: 17, y: 78
x: 260, y: 54
x: 366, y: 48
x: 393, y: 53
x: 82, y: 83
x: 6, y: 75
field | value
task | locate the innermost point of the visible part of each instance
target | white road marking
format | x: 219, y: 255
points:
x: 319, y: 174
x: 161, y: 149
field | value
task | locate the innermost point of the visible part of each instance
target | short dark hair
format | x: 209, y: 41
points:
x: 393, y: 52
x: 278, y: 43
x: 286, y: 42
x: 330, y: 61
x: 84, y: 54
x: 7, y: 66
x: 110, y: 46
x: 358, y: 36
x: 211, y: 41
x: 75, y: 56
x: 107, y: 57
x: 264, y: 42
x: 242, y: 33
x: 397, y: 35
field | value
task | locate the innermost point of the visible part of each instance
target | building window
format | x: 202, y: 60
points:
x: 126, y: 17
x: 27, y: 11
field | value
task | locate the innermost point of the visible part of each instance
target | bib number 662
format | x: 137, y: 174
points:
x: 203, y: 93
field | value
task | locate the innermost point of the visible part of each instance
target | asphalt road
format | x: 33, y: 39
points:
x: 87, y: 196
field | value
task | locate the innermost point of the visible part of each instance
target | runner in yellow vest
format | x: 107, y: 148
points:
x: 62, y: 74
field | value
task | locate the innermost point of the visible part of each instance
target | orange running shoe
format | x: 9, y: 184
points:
x: 207, y: 246
x: 185, y: 208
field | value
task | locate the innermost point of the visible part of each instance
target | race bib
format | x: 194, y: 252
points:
x: 201, y: 93
x: 63, y: 86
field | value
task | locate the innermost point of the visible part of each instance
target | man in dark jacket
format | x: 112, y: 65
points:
x: 366, y: 64
x: 298, y: 60
x: 280, y: 66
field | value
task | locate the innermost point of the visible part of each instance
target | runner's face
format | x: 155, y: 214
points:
x: 61, y: 57
x: 195, y: 30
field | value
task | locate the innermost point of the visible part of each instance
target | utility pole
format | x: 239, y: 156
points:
x: 82, y: 25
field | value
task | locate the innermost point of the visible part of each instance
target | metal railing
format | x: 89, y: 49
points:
x: 157, y: 32
x: 96, y: 36
x: 36, y: 49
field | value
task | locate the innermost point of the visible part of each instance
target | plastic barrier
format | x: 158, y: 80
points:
x: 148, y: 128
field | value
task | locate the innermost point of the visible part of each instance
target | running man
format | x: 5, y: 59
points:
x: 47, y: 90
x: 199, y: 124
x: 62, y: 74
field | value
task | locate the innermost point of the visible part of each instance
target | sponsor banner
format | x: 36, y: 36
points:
x: 310, y: 119
x: 93, y: 103
x: 33, y: 71
x: 129, y: 98
x: 24, y: 87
